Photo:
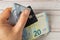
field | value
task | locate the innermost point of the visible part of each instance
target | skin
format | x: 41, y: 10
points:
x: 9, y: 32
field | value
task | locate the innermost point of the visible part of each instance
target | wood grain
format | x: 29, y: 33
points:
x: 37, y: 5
x: 51, y: 36
x: 31, y: 0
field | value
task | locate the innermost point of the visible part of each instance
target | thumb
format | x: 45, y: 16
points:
x: 6, y: 13
x: 22, y: 20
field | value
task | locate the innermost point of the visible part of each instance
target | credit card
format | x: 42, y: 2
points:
x: 15, y: 13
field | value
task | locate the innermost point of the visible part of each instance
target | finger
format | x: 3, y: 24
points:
x: 22, y: 20
x: 6, y: 13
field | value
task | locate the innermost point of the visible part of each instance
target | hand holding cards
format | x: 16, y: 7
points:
x: 35, y: 26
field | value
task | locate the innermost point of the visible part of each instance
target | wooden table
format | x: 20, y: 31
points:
x: 51, y: 7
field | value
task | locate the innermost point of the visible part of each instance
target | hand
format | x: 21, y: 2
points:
x: 9, y: 32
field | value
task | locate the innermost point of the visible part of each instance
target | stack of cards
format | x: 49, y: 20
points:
x: 36, y: 24
x: 17, y: 9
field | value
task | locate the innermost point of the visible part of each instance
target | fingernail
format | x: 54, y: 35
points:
x: 27, y: 11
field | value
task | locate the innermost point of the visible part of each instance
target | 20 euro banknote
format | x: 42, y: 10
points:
x: 38, y: 28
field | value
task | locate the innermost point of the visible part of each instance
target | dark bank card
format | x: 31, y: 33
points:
x: 32, y: 18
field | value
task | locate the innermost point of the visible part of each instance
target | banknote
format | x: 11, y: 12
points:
x: 38, y: 28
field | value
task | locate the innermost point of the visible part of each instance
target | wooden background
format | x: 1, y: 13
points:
x: 51, y: 7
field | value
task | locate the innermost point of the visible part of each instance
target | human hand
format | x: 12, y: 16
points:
x: 9, y: 32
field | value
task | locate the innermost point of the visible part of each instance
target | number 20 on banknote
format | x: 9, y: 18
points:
x: 37, y: 32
